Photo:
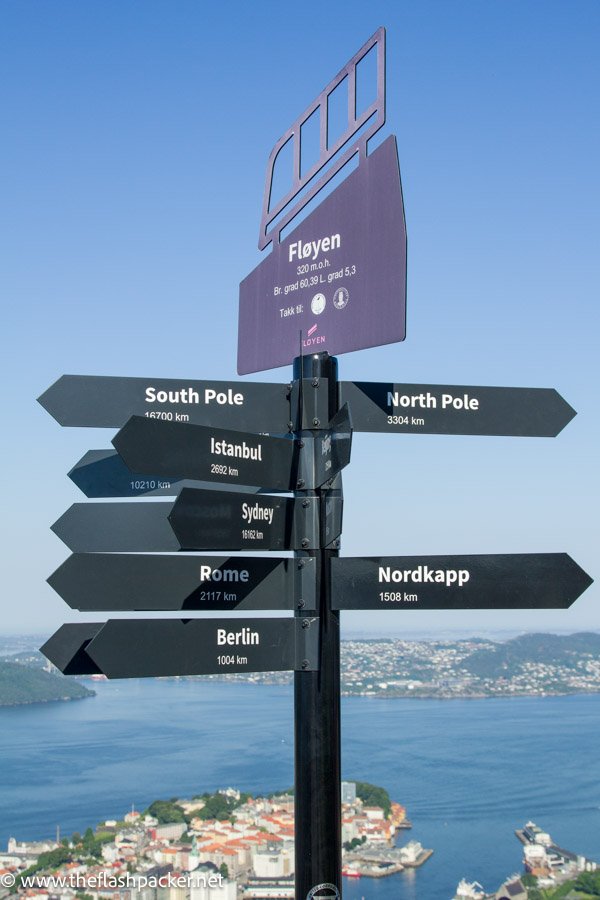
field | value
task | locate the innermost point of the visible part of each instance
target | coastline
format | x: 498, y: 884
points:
x: 88, y: 696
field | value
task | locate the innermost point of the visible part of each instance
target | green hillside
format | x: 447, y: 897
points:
x: 25, y: 684
x: 548, y: 649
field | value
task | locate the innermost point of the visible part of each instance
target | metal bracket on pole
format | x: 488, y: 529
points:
x: 305, y: 524
x: 307, y: 644
x: 324, y: 452
x: 313, y: 412
x: 333, y: 503
x: 305, y: 583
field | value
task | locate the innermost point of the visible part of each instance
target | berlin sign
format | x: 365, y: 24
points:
x: 147, y: 648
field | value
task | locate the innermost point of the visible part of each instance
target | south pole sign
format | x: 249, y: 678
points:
x: 246, y: 467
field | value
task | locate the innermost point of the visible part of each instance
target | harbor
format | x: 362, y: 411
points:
x: 547, y: 867
x: 377, y: 862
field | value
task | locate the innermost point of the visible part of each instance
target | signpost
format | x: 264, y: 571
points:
x: 195, y: 451
x: 214, y: 520
x: 103, y: 473
x: 339, y: 280
x: 99, y: 401
x: 455, y: 409
x: 503, y: 581
x: 198, y: 520
x: 155, y: 648
x: 106, y: 581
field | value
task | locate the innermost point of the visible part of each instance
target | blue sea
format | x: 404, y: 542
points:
x: 468, y: 771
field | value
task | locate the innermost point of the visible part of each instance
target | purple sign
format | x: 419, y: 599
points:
x: 338, y: 281
x: 340, y: 277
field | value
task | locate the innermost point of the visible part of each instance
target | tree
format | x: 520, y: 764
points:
x: 166, y: 812
x: 223, y: 870
x: 371, y: 795
x: 217, y: 806
x: 88, y: 839
x: 589, y: 883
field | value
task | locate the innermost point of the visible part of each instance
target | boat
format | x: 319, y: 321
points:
x: 350, y: 873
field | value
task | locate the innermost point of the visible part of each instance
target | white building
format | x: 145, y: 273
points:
x: 171, y: 832
x: 348, y: 792
x: 411, y: 852
x: 374, y: 813
x: 273, y: 863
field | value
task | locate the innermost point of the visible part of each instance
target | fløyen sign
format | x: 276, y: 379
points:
x: 340, y: 277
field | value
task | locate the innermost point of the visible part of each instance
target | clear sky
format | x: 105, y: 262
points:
x: 134, y: 143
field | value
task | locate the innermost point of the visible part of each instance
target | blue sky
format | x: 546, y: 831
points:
x: 135, y: 140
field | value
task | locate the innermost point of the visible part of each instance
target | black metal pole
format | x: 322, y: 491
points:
x: 317, y: 699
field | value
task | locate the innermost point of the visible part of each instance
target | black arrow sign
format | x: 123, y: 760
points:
x: 66, y: 649
x: 102, y: 473
x: 332, y: 448
x: 452, y: 409
x: 99, y: 401
x: 162, y: 449
x: 198, y: 520
x: 108, y: 581
x: 215, y: 520
x: 210, y: 454
x: 146, y: 648
x: 117, y: 528
x: 503, y: 581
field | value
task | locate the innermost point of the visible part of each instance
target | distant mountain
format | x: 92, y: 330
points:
x: 25, y: 684
x: 502, y: 660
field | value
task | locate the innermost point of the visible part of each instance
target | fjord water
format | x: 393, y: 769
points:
x: 468, y: 771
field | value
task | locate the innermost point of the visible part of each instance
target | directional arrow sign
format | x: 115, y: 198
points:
x: 66, y: 649
x: 452, y: 409
x: 198, y: 520
x: 102, y: 473
x: 214, y: 520
x: 210, y: 454
x: 504, y: 581
x: 332, y: 447
x: 108, y: 581
x: 146, y: 648
x: 117, y: 528
x: 162, y: 449
x: 99, y: 401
